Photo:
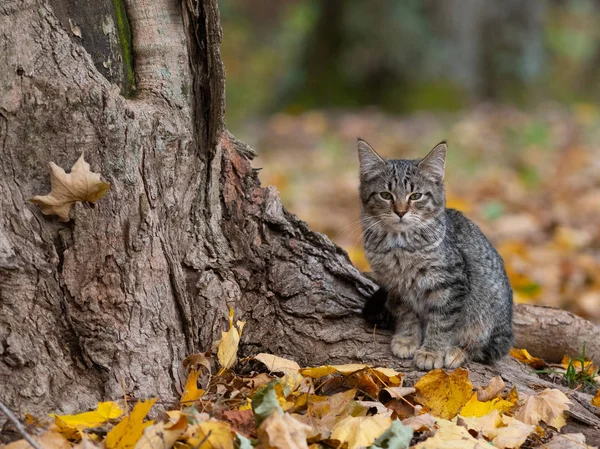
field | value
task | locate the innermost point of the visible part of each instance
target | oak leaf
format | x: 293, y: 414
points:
x: 444, y: 393
x: 81, y: 184
x: 548, y: 406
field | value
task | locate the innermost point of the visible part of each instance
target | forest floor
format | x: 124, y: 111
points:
x: 530, y: 180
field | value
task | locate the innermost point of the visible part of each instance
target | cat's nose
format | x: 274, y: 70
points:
x: 400, y: 213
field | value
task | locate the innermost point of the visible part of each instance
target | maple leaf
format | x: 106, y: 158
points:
x: 444, y: 393
x: 47, y: 440
x: 80, y: 184
x: 360, y: 431
x: 523, y: 356
x: 230, y: 340
x: 548, y: 406
x: 127, y: 433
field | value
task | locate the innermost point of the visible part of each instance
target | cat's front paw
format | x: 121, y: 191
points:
x: 404, y: 347
x: 426, y: 359
x: 455, y: 357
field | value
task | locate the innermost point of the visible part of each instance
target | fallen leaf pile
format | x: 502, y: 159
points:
x: 277, y: 404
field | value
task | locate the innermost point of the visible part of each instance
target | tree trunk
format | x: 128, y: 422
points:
x: 112, y: 301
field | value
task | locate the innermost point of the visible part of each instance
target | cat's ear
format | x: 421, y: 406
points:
x: 434, y: 164
x: 371, y: 163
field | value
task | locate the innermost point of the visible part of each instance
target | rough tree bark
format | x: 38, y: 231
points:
x: 112, y: 301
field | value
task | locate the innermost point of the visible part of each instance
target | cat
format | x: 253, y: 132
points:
x: 444, y: 288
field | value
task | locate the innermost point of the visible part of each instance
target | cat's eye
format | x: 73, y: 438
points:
x: 415, y: 196
x: 386, y: 196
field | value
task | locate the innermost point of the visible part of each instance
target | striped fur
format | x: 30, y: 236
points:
x: 448, y: 295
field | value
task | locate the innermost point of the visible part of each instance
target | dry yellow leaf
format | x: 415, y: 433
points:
x: 360, y: 431
x: 588, y: 365
x: 69, y: 424
x: 47, y: 440
x: 451, y: 436
x: 211, y: 435
x: 162, y: 435
x: 389, y: 375
x: 283, y: 431
x: 127, y: 433
x: 444, y: 393
x: 523, y: 356
x: 68, y: 188
x: 191, y: 392
x: 596, y: 399
x: 513, y: 434
x: 493, y: 389
x: 325, y: 370
x: 487, y: 424
x: 420, y: 423
x: 548, y: 406
x: 289, y: 368
x: 474, y: 407
x: 230, y: 340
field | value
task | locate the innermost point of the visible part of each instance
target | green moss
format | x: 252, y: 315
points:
x: 125, y: 42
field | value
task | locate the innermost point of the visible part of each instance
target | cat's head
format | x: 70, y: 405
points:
x: 402, y: 194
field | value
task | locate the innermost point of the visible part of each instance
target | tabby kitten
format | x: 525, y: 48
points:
x: 444, y: 287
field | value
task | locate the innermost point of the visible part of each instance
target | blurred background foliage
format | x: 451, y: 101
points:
x: 512, y: 85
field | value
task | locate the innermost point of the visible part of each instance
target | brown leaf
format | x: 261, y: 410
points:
x: 195, y: 361
x: 493, y: 389
x: 548, y: 406
x: 242, y: 421
x: 283, y: 431
x: 68, y: 188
